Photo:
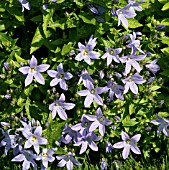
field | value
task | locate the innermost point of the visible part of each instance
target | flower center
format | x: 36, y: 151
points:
x: 85, y: 52
x: 32, y: 69
x: 44, y: 154
x: 128, y: 58
x: 101, y: 119
x: 111, y: 52
x: 128, y: 141
x: 61, y: 76
x: 92, y: 91
x: 33, y: 139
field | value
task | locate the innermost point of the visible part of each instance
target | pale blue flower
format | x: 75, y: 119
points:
x: 98, y: 121
x: 112, y: 54
x: 128, y: 143
x: 59, y: 106
x: 86, y: 52
x: 27, y: 157
x: 152, y: 66
x: 163, y: 124
x: 35, y: 139
x: 92, y: 94
x: 88, y: 140
x: 131, y: 81
x: 59, y: 77
x: 25, y: 5
x: 67, y: 160
x: 34, y: 71
x: 46, y: 156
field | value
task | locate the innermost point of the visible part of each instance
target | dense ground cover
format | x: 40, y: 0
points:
x: 84, y: 84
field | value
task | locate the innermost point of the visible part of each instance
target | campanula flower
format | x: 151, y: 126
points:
x: 34, y: 71
x: 128, y: 143
x: 163, y: 124
x: 152, y: 66
x: 112, y: 54
x: 46, y: 156
x: 131, y: 81
x: 67, y: 160
x: 92, y: 94
x: 35, y: 139
x: 86, y: 52
x: 27, y: 157
x: 59, y: 77
x: 25, y: 5
x: 98, y: 121
x: 59, y: 106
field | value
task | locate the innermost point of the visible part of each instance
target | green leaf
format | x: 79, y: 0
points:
x: 163, y: 114
x: 131, y: 109
x: 87, y: 19
x: 27, y: 104
x: 60, y: 23
x: 133, y: 23
x: 165, y: 73
x: 165, y: 50
x: 165, y: 7
x: 165, y: 40
x: 129, y: 122
x: 165, y: 22
x: 66, y: 48
x: 154, y: 88
x: 37, y: 18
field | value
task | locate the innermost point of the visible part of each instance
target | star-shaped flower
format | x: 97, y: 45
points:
x: 128, y: 143
x: 34, y: 71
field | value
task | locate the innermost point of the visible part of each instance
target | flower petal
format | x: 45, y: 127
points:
x: 39, y: 78
x: 24, y: 69
x: 88, y: 100
x: 42, y: 67
x: 119, y: 145
x: 126, y: 151
x: 52, y: 73
x: 28, y: 79
x: 33, y: 61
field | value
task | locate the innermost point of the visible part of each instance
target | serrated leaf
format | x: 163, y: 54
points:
x: 133, y: 23
x: 129, y: 122
x: 60, y: 23
x: 165, y: 7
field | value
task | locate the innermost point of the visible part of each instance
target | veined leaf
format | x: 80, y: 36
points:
x: 165, y: 7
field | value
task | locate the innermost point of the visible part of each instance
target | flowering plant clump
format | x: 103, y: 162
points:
x: 78, y: 75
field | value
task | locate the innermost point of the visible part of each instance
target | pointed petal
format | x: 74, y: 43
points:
x: 60, y: 68
x: 68, y: 76
x: 83, y: 147
x: 28, y: 79
x: 54, y: 82
x: 119, y: 145
x: 102, y: 129
x: 62, y: 114
x: 39, y: 78
x: 33, y: 61
x: 93, y: 146
x: 68, y: 106
x: 52, y: 73
x: 62, y: 163
x: 126, y: 151
x: 133, y: 88
x: 88, y: 100
x: 83, y: 92
x: 24, y: 69
x: 63, y: 84
x: 93, y: 126
x: 38, y: 131
x: 136, y: 138
x: 26, y: 165
x: 98, y: 99
x: 18, y: 158
x: 124, y: 136
x: 135, y: 149
x: 69, y: 165
x: 42, y: 67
